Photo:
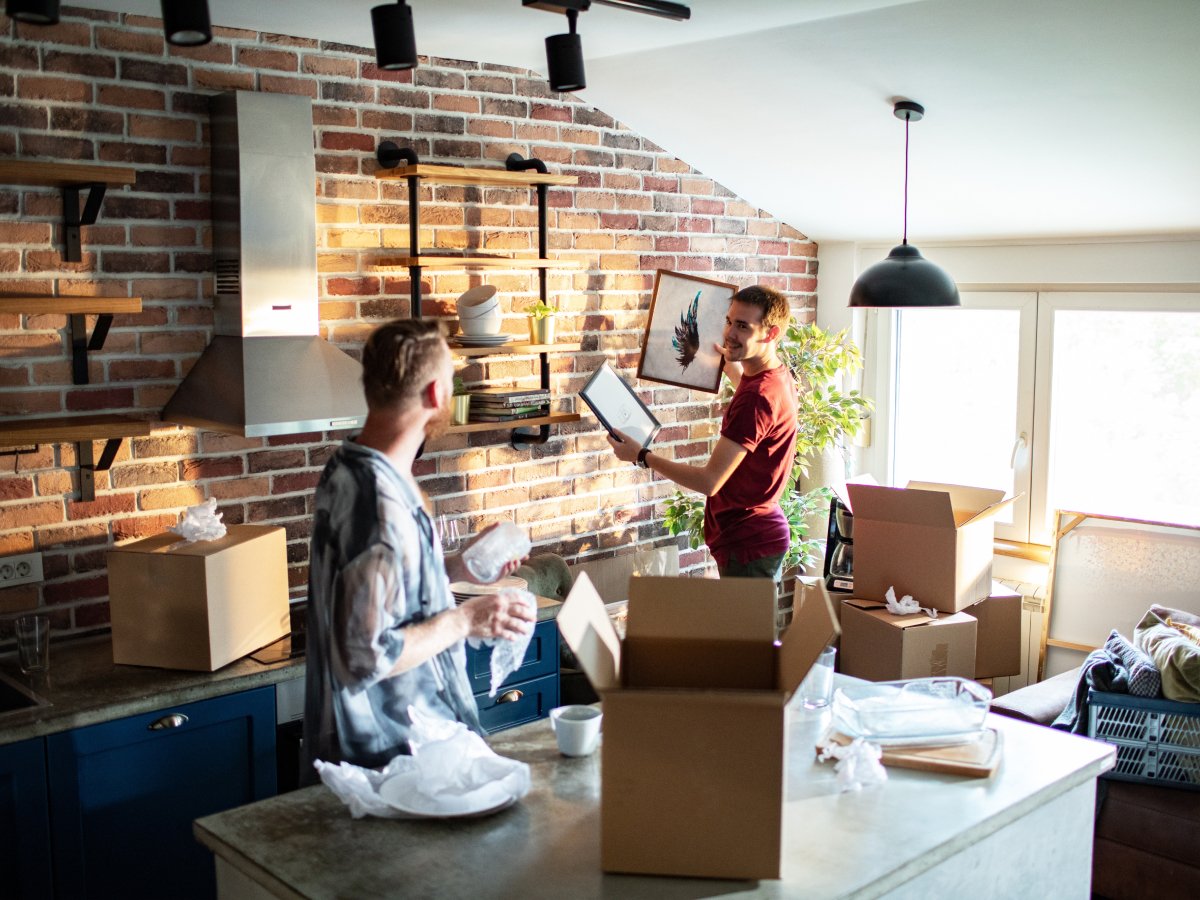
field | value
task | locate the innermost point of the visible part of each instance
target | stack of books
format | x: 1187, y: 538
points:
x: 493, y: 404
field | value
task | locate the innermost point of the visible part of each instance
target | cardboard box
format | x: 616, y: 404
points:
x: 932, y: 541
x: 879, y: 646
x: 198, y: 606
x: 694, y: 727
x: 998, y: 639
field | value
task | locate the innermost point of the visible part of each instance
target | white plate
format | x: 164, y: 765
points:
x: 400, y: 791
x: 470, y: 589
x: 482, y: 340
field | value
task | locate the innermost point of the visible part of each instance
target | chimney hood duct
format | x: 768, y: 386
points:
x: 266, y: 371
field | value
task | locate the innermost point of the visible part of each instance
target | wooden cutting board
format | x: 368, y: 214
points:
x: 978, y: 759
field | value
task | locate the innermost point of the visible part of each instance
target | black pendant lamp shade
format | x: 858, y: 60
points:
x: 395, y: 40
x: 564, y: 59
x: 186, y: 22
x: 905, y: 278
x: 32, y: 12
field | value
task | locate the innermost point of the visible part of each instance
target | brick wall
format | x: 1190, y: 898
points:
x: 106, y: 88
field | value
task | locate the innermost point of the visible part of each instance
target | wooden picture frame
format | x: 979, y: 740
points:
x: 687, y: 316
x: 1105, y: 572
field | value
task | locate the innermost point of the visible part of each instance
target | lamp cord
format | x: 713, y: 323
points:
x: 906, y: 118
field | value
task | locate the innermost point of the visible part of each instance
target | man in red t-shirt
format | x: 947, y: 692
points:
x: 745, y: 476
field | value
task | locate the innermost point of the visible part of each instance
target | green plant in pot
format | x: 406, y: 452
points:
x: 826, y: 416
x: 541, y: 322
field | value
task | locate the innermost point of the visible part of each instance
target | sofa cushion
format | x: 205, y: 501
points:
x: 1039, y: 703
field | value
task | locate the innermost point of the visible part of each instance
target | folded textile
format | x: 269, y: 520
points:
x: 1168, y: 637
x: 1118, y: 667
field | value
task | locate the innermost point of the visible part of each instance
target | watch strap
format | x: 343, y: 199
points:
x: 641, y: 458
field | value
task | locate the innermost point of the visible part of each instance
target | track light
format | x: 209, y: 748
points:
x: 564, y: 59
x: 32, y: 12
x: 186, y: 22
x: 905, y: 279
x: 395, y: 40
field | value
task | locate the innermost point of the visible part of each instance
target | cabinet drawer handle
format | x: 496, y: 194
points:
x: 172, y: 721
x: 509, y: 696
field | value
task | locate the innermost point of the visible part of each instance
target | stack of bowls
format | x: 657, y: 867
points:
x: 479, y: 311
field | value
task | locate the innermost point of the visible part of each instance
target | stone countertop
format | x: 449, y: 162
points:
x: 864, y: 844
x: 85, y: 687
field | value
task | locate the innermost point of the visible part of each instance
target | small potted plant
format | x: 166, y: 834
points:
x: 541, y: 322
x: 460, y: 403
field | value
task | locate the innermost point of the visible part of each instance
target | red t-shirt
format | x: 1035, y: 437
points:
x: 743, y: 521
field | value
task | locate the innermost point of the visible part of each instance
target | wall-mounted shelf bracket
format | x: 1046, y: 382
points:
x: 523, y: 438
x: 88, y: 466
x: 73, y: 219
x: 390, y: 154
x: 81, y: 343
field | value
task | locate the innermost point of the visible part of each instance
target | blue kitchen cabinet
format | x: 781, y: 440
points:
x: 123, y: 794
x: 24, y: 821
x: 528, y: 693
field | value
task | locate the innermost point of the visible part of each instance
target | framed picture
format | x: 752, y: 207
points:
x: 687, y: 316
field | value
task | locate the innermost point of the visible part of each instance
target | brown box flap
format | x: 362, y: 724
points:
x: 584, y: 624
x: 680, y: 608
x: 912, y: 507
x: 968, y: 503
x: 814, y: 626
x: 168, y: 542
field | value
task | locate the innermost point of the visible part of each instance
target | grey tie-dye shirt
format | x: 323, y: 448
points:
x: 374, y: 569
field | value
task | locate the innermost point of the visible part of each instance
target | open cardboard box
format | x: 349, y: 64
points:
x: 201, y: 605
x: 695, y: 730
x: 931, y: 541
x: 879, y: 646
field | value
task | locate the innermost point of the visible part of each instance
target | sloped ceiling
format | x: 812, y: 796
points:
x: 1070, y: 118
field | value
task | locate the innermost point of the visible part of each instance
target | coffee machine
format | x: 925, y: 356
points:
x: 839, y: 548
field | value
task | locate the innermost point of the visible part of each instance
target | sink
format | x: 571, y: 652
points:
x: 14, y: 697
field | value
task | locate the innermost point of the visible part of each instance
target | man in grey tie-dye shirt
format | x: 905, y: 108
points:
x: 383, y: 631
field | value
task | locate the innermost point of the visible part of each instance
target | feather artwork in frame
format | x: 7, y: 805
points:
x: 686, y: 318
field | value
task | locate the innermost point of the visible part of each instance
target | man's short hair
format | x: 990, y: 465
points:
x: 399, y: 359
x: 774, y: 305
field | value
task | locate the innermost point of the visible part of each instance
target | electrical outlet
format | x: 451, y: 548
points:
x: 23, y: 569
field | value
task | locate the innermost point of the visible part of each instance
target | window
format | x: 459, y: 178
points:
x: 1086, y: 402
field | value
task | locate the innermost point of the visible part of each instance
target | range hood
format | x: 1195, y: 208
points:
x: 266, y: 371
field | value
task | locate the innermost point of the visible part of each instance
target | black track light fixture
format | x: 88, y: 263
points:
x: 564, y: 52
x: 186, y: 22
x: 905, y: 278
x: 395, y: 40
x: 564, y: 59
x: 32, y: 12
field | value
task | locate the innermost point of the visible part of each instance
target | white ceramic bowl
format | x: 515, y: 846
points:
x: 488, y: 323
x: 477, y: 301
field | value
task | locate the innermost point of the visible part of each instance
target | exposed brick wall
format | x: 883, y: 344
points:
x: 106, y: 88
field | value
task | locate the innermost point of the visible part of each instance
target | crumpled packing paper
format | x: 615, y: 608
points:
x: 450, y: 764
x: 507, y: 655
x: 201, y: 522
x: 906, y: 605
x: 858, y: 764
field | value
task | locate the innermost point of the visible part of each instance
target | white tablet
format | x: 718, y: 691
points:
x: 618, y: 407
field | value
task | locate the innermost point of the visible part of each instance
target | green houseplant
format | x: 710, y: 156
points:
x: 541, y: 322
x: 825, y: 414
x: 460, y: 403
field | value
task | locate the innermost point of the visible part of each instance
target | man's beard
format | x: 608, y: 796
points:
x: 438, y: 424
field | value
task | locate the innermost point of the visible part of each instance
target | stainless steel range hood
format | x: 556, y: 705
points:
x: 267, y: 371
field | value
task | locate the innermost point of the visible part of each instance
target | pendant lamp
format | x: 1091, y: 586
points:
x: 395, y: 38
x: 564, y: 58
x: 906, y: 278
x: 186, y: 22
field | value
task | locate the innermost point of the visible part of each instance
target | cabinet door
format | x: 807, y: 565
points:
x: 541, y: 658
x: 24, y: 821
x: 517, y: 704
x: 124, y: 794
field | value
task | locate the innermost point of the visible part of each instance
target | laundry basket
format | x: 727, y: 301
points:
x: 1157, y: 741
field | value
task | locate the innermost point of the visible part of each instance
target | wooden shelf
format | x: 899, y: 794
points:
x: 514, y: 349
x: 112, y: 428
x: 42, y: 304
x: 457, y: 175
x: 553, y: 419
x: 473, y: 262
x: 53, y: 174
x: 67, y: 429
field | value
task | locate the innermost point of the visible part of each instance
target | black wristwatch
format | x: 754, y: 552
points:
x: 641, y: 460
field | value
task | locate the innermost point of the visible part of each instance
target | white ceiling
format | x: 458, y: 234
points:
x: 1045, y: 118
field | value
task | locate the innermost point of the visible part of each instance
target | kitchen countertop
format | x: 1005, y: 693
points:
x: 85, y: 687
x: 1024, y: 832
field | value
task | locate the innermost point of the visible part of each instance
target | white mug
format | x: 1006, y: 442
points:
x: 577, y: 729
